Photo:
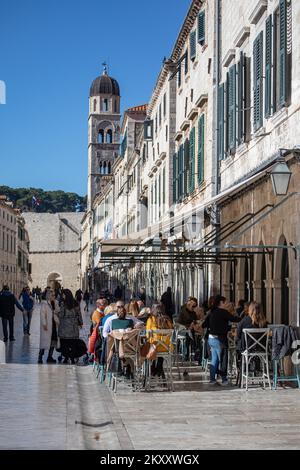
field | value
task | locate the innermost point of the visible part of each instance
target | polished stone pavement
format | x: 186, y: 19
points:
x: 65, y: 407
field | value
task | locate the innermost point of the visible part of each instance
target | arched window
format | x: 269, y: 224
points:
x: 95, y: 105
x: 116, y: 105
x: 105, y: 104
x: 101, y: 136
x: 104, y: 168
x: 109, y: 168
x: 109, y: 137
x: 100, y: 169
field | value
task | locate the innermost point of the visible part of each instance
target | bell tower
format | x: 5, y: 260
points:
x: 104, y: 132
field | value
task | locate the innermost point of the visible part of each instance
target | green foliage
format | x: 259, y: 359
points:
x: 49, y: 201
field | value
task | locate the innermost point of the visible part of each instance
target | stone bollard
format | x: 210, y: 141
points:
x: 2, y: 353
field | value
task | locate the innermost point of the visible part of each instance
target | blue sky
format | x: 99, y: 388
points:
x: 50, y: 52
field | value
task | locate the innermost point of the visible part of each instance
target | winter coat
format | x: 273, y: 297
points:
x: 69, y: 322
x: 282, y: 341
x: 7, y: 304
x: 186, y: 317
x: 47, y: 314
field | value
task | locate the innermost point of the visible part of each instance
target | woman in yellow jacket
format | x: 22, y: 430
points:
x: 158, y: 321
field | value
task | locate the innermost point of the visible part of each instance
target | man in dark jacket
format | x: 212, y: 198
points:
x: 7, y: 312
x: 217, y: 323
x: 28, y: 303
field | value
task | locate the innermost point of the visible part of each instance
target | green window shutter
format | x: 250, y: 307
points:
x: 241, y: 100
x: 186, y: 166
x: 268, y: 70
x: 193, y: 45
x: 201, y: 28
x: 258, y: 83
x: 201, y: 149
x: 232, y: 108
x: 283, y: 53
x: 221, y: 122
x: 186, y: 62
x: 174, y: 178
x: 181, y: 171
x: 179, y: 75
x: 192, y: 161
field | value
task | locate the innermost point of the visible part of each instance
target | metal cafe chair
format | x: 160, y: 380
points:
x: 164, y: 346
x: 257, y: 345
x: 232, y: 358
x: 131, y: 355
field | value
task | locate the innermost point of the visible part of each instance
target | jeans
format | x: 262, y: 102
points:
x: 27, y: 315
x: 218, y: 359
x: 10, y: 322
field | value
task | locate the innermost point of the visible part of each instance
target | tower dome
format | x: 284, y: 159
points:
x: 105, y: 85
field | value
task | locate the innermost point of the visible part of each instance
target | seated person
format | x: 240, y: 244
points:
x: 122, y: 322
x: 255, y: 319
x: 158, y: 321
x: 99, y: 312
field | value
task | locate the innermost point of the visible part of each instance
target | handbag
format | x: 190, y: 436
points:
x: 152, y: 354
x: 145, y: 349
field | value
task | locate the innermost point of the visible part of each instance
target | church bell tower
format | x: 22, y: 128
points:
x: 104, y: 132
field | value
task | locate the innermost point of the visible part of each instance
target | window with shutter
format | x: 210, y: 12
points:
x: 193, y: 49
x: 201, y: 149
x: 192, y: 161
x: 174, y: 178
x: 201, y: 28
x: 232, y: 108
x: 148, y: 130
x: 241, y: 100
x: 258, y: 82
x: 221, y: 122
x: 283, y: 53
x: 268, y: 68
x: 186, y: 63
x: 186, y: 166
x: 179, y: 75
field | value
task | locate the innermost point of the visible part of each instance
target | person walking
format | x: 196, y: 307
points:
x: 49, y: 326
x: 7, y: 311
x: 28, y: 303
x: 86, y: 298
x: 70, y: 322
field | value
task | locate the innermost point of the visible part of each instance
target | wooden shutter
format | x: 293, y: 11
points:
x: 257, y: 80
x: 221, y: 122
x: 179, y: 75
x: 186, y: 166
x: 181, y: 172
x: 268, y: 69
x: 192, y: 161
x: 193, y: 45
x: 283, y: 53
x: 174, y: 178
x: 201, y: 149
x: 201, y: 28
x: 232, y: 108
x: 186, y: 62
x: 241, y: 100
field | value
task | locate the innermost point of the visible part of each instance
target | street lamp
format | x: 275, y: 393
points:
x: 281, y: 177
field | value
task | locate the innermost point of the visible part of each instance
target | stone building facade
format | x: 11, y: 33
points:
x: 223, y: 112
x: 54, y: 248
x: 14, y: 247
